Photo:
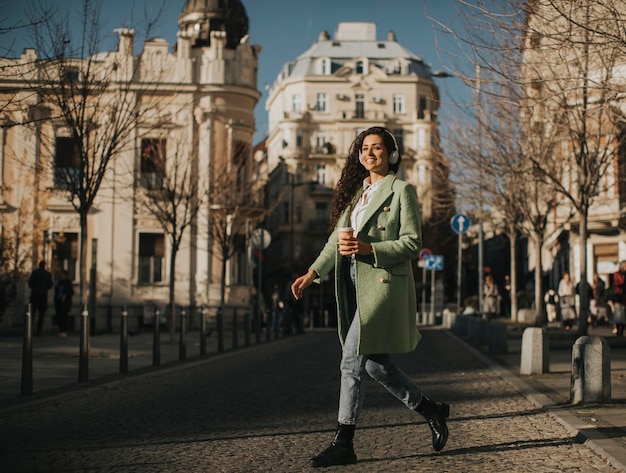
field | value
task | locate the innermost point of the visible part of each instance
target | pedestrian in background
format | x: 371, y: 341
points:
x: 63, y: 293
x: 551, y: 299
x: 506, y: 298
x: 618, y: 299
x: 491, y: 298
x: 567, y: 298
x: 599, y: 302
x: 39, y: 282
x: 277, y: 310
x: 376, y: 302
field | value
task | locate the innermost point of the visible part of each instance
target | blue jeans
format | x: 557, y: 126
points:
x: 379, y: 367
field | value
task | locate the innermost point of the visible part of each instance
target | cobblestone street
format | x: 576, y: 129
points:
x: 271, y: 407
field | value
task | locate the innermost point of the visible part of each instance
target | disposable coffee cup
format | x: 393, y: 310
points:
x: 348, y: 230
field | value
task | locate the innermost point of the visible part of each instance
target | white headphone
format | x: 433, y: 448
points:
x: 394, y: 156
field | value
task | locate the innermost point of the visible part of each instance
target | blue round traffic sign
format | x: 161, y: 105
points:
x: 460, y: 223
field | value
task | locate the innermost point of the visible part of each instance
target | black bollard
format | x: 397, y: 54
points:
x: 182, y: 348
x: 156, y: 339
x: 203, y: 333
x: 220, y: 330
x: 83, y: 360
x: 27, y: 354
x: 124, y: 341
x: 235, y: 330
x: 248, y: 322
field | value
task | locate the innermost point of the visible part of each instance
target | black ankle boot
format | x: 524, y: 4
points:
x: 340, y: 451
x: 435, y: 414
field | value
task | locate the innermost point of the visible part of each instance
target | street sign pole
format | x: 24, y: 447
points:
x: 431, y: 320
x: 423, y: 315
x: 460, y: 224
x: 459, y: 257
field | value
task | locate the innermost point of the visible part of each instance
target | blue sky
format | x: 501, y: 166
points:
x: 284, y: 28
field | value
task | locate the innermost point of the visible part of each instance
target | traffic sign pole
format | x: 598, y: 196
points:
x: 458, y: 273
x: 423, y: 311
x: 460, y: 223
x: 431, y: 320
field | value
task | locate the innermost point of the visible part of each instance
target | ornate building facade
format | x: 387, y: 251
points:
x: 202, y: 93
x: 318, y: 104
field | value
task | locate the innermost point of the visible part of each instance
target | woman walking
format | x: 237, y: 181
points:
x: 375, y: 290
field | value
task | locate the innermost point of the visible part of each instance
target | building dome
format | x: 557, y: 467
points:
x: 201, y: 17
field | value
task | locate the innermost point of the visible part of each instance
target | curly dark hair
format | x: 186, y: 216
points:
x: 354, y: 172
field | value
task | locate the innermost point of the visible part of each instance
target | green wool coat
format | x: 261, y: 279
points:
x: 385, y: 288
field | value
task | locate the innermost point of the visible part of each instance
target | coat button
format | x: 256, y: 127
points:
x: 380, y: 227
x: 386, y: 209
x: 383, y: 280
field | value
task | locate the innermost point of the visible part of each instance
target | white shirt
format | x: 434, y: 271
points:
x: 356, y: 219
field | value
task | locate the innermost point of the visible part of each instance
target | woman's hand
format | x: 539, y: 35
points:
x: 302, y: 283
x: 352, y: 246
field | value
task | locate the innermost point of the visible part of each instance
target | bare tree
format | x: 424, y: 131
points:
x: 174, y: 191
x: 91, y: 96
x: 236, y: 203
x: 572, y: 63
x: 565, y: 60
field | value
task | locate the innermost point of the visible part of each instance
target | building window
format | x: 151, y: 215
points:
x: 241, y: 158
x: 298, y: 210
x: 360, y: 67
x: 421, y: 107
x: 325, y: 67
x: 71, y: 75
x: 398, y: 103
x: 151, y: 253
x: 299, y: 138
x: 399, y: 135
x: 359, y: 103
x: 152, y: 165
x: 67, y: 164
x: 296, y: 103
x: 421, y: 174
x: 322, y: 174
x: 421, y: 138
x: 322, y: 102
x: 321, y: 211
x: 320, y: 143
x: 65, y: 252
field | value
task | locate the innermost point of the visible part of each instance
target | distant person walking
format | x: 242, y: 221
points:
x: 491, y: 298
x: 618, y: 299
x: 551, y: 299
x: 63, y: 292
x: 39, y: 282
x: 567, y: 298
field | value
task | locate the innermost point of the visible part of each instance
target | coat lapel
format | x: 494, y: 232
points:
x: 379, y: 198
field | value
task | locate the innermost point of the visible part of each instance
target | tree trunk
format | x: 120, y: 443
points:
x: 83, y: 259
x: 541, y: 316
x: 584, y: 299
x: 513, y: 275
x: 172, y: 294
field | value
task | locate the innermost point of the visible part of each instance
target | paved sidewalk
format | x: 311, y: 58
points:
x: 602, y: 427
x: 56, y: 359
